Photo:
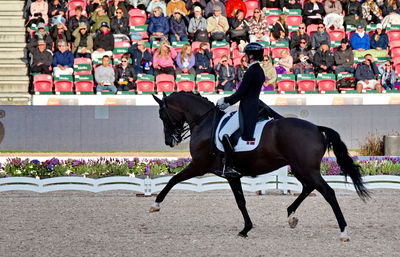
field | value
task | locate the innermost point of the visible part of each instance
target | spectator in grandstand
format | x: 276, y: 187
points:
x: 360, y: 40
x: 91, y: 8
x: 233, y: 6
x: 353, y: 13
x: 119, y: 23
x: 209, y: 11
x: 113, y: 9
x: 141, y: 58
x: 371, y: 12
x: 40, y: 8
x: 366, y: 75
x: 240, y: 70
x: 270, y: 74
x: 125, y: 76
x: 158, y: 26
x: 157, y: 3
x: 258, y: 27
x: 388, y: 75
x: 226, y: 75
x: 60, y: 32
x: 320, y: 36
x: 203, y: 60
x: 285, y: 63
x: 334, y: 14
x: 75, y: 20
x: 379, y: 39
x: 198, y: 27
x: 302, y: 58
x: 192, y: 4
x: 139, y: 4
x: 239, y: 28
x: 103, y: 43
x: 217, y: 25
x: 313, y: 12
x: 41, y: 34
x: 83, y: 43
x: 292, y: 4
x: 57, y: 7
x: 178, y: 26
x: 390, y: 6
x: 323, y: 59
x: 344, y: 57
x: 176, y: 4
x: 105, y: 76
x: 185, y: 61
x: 271, y: 4
x: 163, y: 59
x: 298, y: 35
x: 63, y: 60
x: 99, y: 16
x: 280, y: 30
x: 41, y: 58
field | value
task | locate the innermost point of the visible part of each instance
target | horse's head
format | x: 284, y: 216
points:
x: 172, y: 119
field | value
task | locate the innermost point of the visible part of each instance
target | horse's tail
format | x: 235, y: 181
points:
x: 344, y: 160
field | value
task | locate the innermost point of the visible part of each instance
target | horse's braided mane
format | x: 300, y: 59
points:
x: 205, y: 99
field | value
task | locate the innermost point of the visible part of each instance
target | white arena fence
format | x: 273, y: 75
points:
x: 277, y: 180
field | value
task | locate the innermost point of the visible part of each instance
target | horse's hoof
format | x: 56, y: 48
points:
x: 155, y: 207
x: 242, y: 234
x: 293, y: 221
x: 344, y: 236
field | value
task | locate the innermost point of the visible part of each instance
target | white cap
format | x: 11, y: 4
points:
x: 379, y: 26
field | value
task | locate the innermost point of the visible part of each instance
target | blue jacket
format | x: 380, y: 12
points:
x: 382, y: 42
x: 159, y: 24
x: 365, y: 71
x: 137, y: 55
x: 203, y: 59
x: 357, y: 42
x: 178, y: 27
x: 63, y: 59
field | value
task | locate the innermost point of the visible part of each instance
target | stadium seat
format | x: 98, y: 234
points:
x: 205, y: 83
x: 311, y: 29
x: 196, y: 46
x: 137, y: 20
x: 165, y: 83
x: 326, y: 85
x: 72, y: 4
x: 63, y: 86
x: 43, y: 83
x: 185, y: 82
x: 271, y: 19
x: 276, y: 51
x: 336, y: 35
x: 219, y: 52
x: 293, y: 20
x: 145, y: 83
x: 393, y: 35
x: 86, y: 86
x: 250, y: 6
x: 395, y: 51
x: 286, y: 85
x: 82, y: 66
x: 306, y: 82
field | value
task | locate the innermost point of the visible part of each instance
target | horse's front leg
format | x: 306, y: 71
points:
x: 237, y: 190
x: 189, y: 172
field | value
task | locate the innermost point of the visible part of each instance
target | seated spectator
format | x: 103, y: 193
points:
x: 232, y: 6
x: 239, y: 28
x: 302, y: 58
x: 320, y: 36
x: 103, y: 43
x: 119, y: 23
x: 60, y: 32
x: 292, y: 4
x: 271, y: 4
x: 157, y: 3
x: 366, y: 75
x: 192, y: 4
x: 105, y: 76
x: 298, y: 35
x: 185, y: 61
x: 344, y: 57
x: 388, y: 75
x: 217, y: 25
x: 323, y: 59
x: 139, y: 4
x: 113, y: 9
x: 280, y: 30
x: 270, y: 74
x: 203, y: 60
x: 379, y: 39
x: 226, y: 75
x: 41, y: 58
x: 57, y: 7
x: 258, y: 27
x: 334, y: 14
x: 198, y: 27
x: 209, y: 11
x: 141, y: 58
x: 178, y: 26
x: 353, y: 13
x: 99, y: 16
x: 158, y: 26
x: 371, y: 12
x: 241, y: 69
x: 285, y: 63
x: 176, y: 4
x: 125, y: 76
x: 390, y: 6
x: 392, y: 18
x: 63, y: 60
x: 83, y: 44
x: 360, y: 40
x: 163, y: 59
x: 40, y: 8
x: 41, y: 34
x: 94, y: 4
x: 313, y: 12
x: 74, y: 21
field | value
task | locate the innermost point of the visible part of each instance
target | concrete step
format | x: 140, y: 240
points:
x: 13, y: 69
x: 11, y: 53
x: 12, y: 45
x: 12, y: 29
x: 12, y: 37
x: 12, y: 5
x: 7, y: 22
x: 8, y: 78
x: 15, y: 14
x: 14, y: 86
x: 22, y: 98
x: 14, y: 61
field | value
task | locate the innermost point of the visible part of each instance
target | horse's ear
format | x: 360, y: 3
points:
x: 164, y: 94
x: 158, y: 100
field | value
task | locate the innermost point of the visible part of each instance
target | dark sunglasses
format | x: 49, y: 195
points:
x: 224, y: 60
x: 320, y: 27
x: 256, y: 12
x: 302, y: 42
x: 387, y: 65
x: 266, y: 60
x: 124, y: 61
x: 119, y: 12
x: 301, y: 27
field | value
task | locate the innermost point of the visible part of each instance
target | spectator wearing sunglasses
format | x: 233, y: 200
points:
x: 157, y: 3
x: 114, y: 6
x: 258, y: 27
x: 226, y: 72
x: 320, y: 36
x: 270, y: 74
x: 119, y: 23
x: 125, y: 76
x: 388, y: 75
x: 299, y: 35
x: 302, y: 58
x: 83, y: 43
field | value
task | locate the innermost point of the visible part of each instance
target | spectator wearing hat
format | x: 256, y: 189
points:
x: 125, y: 75
x: 379, y: 39
x: 217, y: 25
x: 41, y: 58
x: 313, y: 12
x: 120, y: 23
x: 83, y: 43
x: 74, y: 21
x: 41, y: 34
x: 323, y: 59
x: 203, y: 59
x: 60, y: 32
x: 63, y: 60
x: 176, y: 4
x: 192, y: 4
x: 366, y: 75
x: 114, y: 6
x: 142, y: 59
x: 103, y: 43
x: 105, y: 76
x: 353, y: 13
x: 344, y: 57
x: 360, y: 40
x: 320, y: 36
x: 178, y: 26
x: 99, y: 16
x: 157, y: 3
x: 209, y: 11
x: 158, y: 26
x: 198, y: 26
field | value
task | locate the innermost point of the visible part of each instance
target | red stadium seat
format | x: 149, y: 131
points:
x: 144, y: 86
x: 311, y: 29
x: 63, y: 86
x: 276, y: 51
x: 286, y: 85
x: 306, y: 85
x: 271, y: 19
x: 137, y: 20
x: 294, y: 20
x: 337, y: 35
x: 395, y: 51
x: 250, y: 6
x: 205, y: 82
x: 82, y: 66
x: 326, y: 85
x: 394, y: 43
x: 185, y: 85
x: 43, y: 83
x: 196, y: 46
x: 84, y: 86
x: 165, y: 83
x: 219, y: 52
x: 393, y: 35
x: 72, y: 4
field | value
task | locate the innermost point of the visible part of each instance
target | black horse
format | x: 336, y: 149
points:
x: 285, y: 141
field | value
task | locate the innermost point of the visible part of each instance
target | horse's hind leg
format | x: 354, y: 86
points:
x: 293, y: 207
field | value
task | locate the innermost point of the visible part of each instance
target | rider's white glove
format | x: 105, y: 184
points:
x: 221, y: 104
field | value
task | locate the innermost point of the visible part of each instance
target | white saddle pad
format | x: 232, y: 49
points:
x: 241, y: 146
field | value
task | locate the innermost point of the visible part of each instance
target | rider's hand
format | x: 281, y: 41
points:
x: 221, y: 104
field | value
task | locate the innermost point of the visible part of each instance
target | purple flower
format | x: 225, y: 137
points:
x: 35, y: 161
x: 148, y: 170
x: 50, y: 167
x: 131, y: 164
x: 54, y: 161
x: 76, y: 163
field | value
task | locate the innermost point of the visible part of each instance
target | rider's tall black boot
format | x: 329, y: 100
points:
x: 229, y: 171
